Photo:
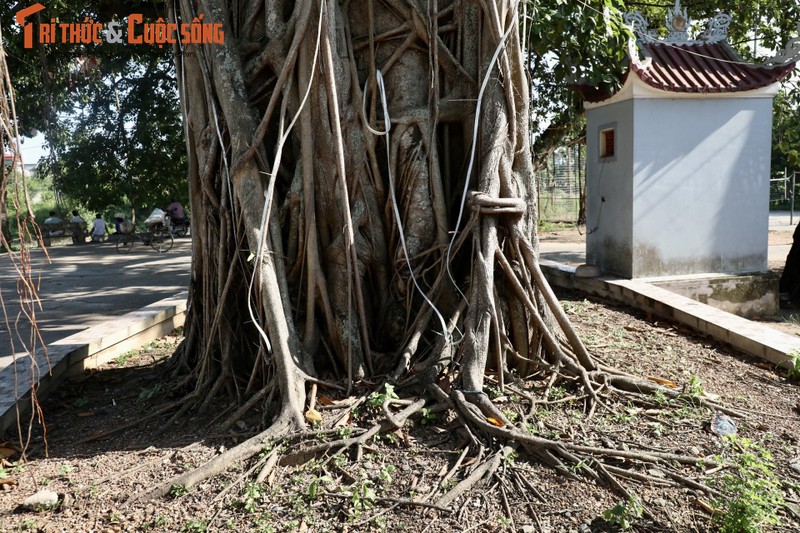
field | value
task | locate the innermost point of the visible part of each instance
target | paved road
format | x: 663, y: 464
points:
x: 86, y: 285
x: 574, y: 253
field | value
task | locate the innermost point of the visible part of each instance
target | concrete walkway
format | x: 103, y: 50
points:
x: 87, y: 285
x: 94, y: 304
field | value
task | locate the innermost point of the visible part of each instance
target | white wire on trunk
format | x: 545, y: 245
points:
x: 264, y: 228
x: 388, y: 125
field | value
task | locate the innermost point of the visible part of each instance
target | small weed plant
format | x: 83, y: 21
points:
x: 194, y: 526
x: 753, y: 490
x: 316, y: 484
x: 363, y: 496
x: 377, y: 399
x: 253, y: 496
x: 556, y: 393
x: 150, y: 393
x: 81, y: 402
x: 624, y: 514
x: 694, y: 388
x: 122, y: 359
x: 428, y: 417
x: 177, y: 490
x: 793, y: 373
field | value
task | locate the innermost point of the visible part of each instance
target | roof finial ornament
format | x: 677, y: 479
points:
x: 717, y: 29
x: 678, y: 24
x: 639, y: 26
x: 790, y: 54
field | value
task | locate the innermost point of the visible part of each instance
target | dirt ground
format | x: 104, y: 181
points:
x: 98, y: 463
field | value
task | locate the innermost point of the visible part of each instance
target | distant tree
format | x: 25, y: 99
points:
x: 110, y: 113
x: 125, y: 144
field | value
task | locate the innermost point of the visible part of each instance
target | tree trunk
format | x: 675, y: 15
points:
x: 356, y: 173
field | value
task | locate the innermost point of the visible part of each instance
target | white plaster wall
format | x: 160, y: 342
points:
x: 700, y: 185
x: 609, y: 222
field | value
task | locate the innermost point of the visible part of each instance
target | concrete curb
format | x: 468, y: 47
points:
x: 82, y: 351
x: 753, y: 338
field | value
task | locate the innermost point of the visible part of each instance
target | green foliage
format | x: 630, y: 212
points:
x: 786, y: 130
x: 694, y: 388
x: 793, y: 373
x: 660, y: 397
x: 316, y: 483
x: 81, y: 401
x: 157, y: 522
x: 428, y: 417
x: 569, y: 43
x: 29, y: 524
x: 254, y: 495
x: 194, y: 526
x: 511, y: 458
x: 120, y: 360
x: 753, y: 489
x: 385, y: 474
x: 110, y: 114
x: 377, y: 399
x: 624, y: 514
x: 556, y: 393
x: 150, y: 393
x: 363, y: 495
x: 177, y: 490
x: 65, y: 470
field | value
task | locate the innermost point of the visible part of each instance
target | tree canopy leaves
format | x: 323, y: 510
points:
x: 110, y: 113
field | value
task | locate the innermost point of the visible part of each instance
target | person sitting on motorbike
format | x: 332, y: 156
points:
x: 175, y: 211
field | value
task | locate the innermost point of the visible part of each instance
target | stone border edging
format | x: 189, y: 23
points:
x: 81, y: 351
x: 753, y: 338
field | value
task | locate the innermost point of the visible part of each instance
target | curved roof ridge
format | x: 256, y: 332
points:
x: 703, y: 68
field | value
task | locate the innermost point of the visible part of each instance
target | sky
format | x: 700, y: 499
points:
x: 33, y: 149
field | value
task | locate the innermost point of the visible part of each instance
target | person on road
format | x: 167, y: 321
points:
x: 175, y: 210
x: 52, y: 219
x: 99, y: 228
x: 53, y: 222
x: 78, y: 228
x: 119, y: 218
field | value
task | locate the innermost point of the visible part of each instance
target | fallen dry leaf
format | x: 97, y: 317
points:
x: 495, y: 422
x: 7, y: 481
x: 665, y: 382
x: 312, y: 415
x: 96, y: 434
x: 7, y: 452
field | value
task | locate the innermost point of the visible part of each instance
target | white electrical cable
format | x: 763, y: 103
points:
x: 398, y: 219
x: 271, y: 187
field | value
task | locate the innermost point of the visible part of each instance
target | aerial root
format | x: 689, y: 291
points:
x: 479, y: 417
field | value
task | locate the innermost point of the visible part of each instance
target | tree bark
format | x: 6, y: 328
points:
x: 355, y: 172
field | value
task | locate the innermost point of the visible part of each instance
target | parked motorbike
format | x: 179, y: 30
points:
x: 179, y: 227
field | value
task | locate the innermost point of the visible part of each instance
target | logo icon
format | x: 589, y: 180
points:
x: 22, y: 14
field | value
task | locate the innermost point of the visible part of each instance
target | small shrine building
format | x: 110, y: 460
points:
x: 678, y: 159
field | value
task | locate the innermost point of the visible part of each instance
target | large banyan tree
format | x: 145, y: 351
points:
x: 364, y: 219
